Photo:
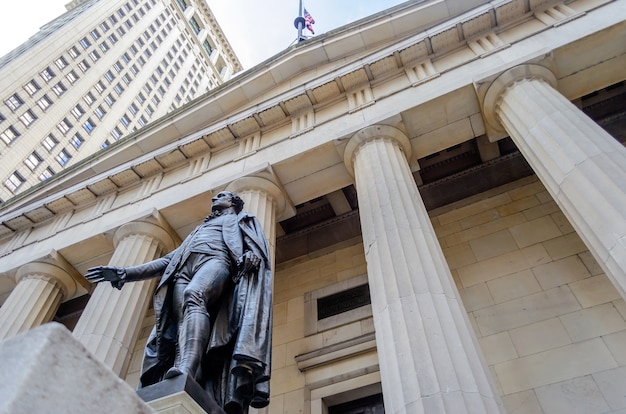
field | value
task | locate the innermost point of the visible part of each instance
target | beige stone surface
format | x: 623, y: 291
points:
x: 611, y: 385
x: 564, y: 246
x: 579, y: 395
x: 476, y: 297
x: 493, y: 245
x: 535, y: 231
x: 593, y: 322
x: 548, y: 367
x: 524, y: 402
x: 560, y: 272
x: 594, y: 290
x: 497, y: 348
x: 513, y: 286
x: 540, y: 336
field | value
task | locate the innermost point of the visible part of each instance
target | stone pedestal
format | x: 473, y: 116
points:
x: 429, y: 358
x: 46, y: 370
x: 580, y: 164
x: 110, y: 323
x: 41, y: 288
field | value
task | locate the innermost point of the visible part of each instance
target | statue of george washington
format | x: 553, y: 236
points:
x: 213, y: 308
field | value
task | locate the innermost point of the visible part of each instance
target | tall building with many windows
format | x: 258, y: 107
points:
x: 98, y: 72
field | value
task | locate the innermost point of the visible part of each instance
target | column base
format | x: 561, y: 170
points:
x: 181, y: 394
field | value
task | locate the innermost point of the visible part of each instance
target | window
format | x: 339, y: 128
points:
x: 9, y: 134
x: 112, y: 38
x: 116, y: 133
x: 109, y: 76
x: 63, y: 157
x: 133, y: 49
x: 105, y: 144
x: 141, y: 60
x: 61, y: 62
x: 32, y: 87
x: 73, y: 52
x: 100, y: 112
x: 124, y: 120
x: 207, y: 47
x: 95, y: 35
x: 85, y: 43
x: 14, y: 181
x: 125, y: 57
x: 83, y: 66
x: 94, y: 56
x: 64, y: 126
x: 121, y: 31
x: 27, y: 118
x: 142, y: 121
x: 100, y: 87
x: 194, y: 25
x: 78, y: 111
x: 89, y: 125
x: 134, y: 70
x: 109, y: 99
x: 113, y: 19
x: 47, y: 173
x: 14, y: 101
x: 77, y: 140
x: 121, y: 13
x: 33, y: 161
x: 89, y: 98
x: 104, y: 47
x: 118, y: 67
x: 161, y: 90
x: 126, y: 78
x: 71, y: 76
x: 49, y: 142
x: 133, y: 109
x: 149, y: 110
x: 59, y: 88
x: 104, y: 26
x: 119, y: 89
x: 156, y: 100
x: 128, y: 24
x: 44, y: 102
x: 140, y: 98
x: 182, y: 4
x: 154, y: 79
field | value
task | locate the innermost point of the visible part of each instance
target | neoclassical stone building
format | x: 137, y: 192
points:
x: 444, y: 190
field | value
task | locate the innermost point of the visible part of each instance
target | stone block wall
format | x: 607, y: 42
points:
x: 551, y: 325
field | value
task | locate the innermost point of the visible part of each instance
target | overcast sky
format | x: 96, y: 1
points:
x: 256, y: 30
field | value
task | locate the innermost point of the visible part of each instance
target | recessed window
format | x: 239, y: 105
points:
x: 194, y: 25
x: 9, y: 134
x: 78, y: 111
x: 119, y: 89
x: 64, y: 126
x: 100, y: 87
x: 71, y: 76
x: 94, y: 56
x: 44, y: 102
x: 118, y: 67
x: 49, y: 142
x: 100, y: 112
x: 33, y: 161
x: 89, y: 125
x: 60, y: 62
x: 85, y: 43
x: 27, y: 118
x: 112, y: 38
x: 116, y: 133
x: 89, y: 98
x: 14, y: 101
x: 73, y: 52
x: 95, y: 35
x: 105, y: 144
x: 83, y: 66
x: 124, y: 120
x: 59, y: 88
x: 104, y: 26
x: 109, y: 76
x: 47, y: 173
x: 120, y: 31
x: 104, y: 47
x: 63, y: 157
x: 32, y: 87
x: 77, y: 140
x: 109, y: 99
x: 14, y: 181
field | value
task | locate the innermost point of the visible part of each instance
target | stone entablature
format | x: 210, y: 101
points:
x: 149, y: 165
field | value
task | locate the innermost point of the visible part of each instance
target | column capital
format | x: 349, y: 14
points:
x: 163, y: 235
x: 371, y: 133
x: 53, y: 268
x: 499, y: 86
x: 284, y: 208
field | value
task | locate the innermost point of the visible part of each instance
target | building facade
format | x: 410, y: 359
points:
x: 443, y: 189
x: 99, y: 72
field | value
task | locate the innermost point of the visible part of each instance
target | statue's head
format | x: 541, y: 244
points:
x: 226, y: 199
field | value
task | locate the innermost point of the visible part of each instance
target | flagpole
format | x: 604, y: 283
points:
x: 299, y: 23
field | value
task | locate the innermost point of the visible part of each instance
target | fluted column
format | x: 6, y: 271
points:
x: 580, y: 164
x: 110, y: 323
x: 429, y: 358
x: 41, y: 288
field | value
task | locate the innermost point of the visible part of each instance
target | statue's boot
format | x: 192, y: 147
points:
x: 193, y: 340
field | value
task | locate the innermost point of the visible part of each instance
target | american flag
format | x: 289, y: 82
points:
x: 309, y: 21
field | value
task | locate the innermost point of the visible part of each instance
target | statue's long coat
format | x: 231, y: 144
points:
x: 241, y: 326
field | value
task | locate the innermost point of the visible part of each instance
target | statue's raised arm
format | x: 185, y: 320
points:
x: 115, y: 275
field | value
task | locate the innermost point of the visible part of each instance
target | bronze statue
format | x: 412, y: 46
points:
x: 212, y: 307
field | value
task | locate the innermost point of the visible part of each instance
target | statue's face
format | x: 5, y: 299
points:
x: 222, y: 200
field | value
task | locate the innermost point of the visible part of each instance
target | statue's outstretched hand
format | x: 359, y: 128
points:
x: 115, y: 275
